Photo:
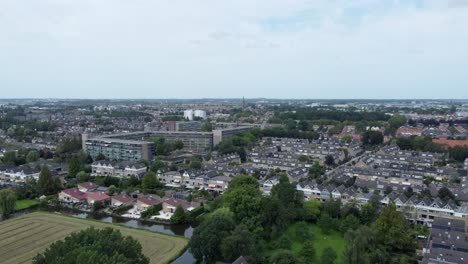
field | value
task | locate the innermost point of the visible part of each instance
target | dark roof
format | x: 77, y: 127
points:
x: 240, y: 260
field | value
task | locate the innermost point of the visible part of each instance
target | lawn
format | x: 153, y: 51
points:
x: 320, y: 240
x: 24, y: 237
x: 23, y: 204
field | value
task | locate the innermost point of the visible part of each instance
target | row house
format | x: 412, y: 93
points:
x: 122, y: 169
x: 18, y: 174
x: 312, y: 190
x: 194, y: 179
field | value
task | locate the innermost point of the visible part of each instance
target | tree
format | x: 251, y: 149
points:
x: 32, y: 156
x: 397, y: 121
x: 312, y: 210
x: 392, y: 230
x: 149, y: 181
x: 207, y: 238
x: 100, y: 156
x: 283, y: 257
x: 273, y: 217
x: 329, y: 160
x: 388, y: 190
x: 7, y: 202
x: 303, y: 232
x: 241, y: 242
x: 158, y: 164
x: 196, y: 164
x: 290, y: 197
x: 317, y: 170
x: 45, y: 184
x: 445, y: 194
x: 350, y: 222
x: 303, y: 158
x: 82, y: 176
x: 179, y: 216
x: 9, y: 158
x: 328, y: 256
x: 358, y: 245
x: 409, y: 192
x: 372, y: 138
x: 94, y: 246
x: 307, y: 251
x: 73, y: 166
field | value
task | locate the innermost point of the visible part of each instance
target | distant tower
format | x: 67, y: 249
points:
x: 243, y: 103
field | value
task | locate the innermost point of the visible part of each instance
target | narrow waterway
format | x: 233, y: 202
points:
x: 181, y: 230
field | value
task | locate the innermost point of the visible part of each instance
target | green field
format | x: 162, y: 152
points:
x: 23, y: 204
x: 334, y: 240
x: 23, y: 237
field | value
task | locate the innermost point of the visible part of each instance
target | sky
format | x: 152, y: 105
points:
x: 319, y: 49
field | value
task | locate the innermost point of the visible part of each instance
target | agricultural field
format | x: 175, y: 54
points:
x: 24, y: 237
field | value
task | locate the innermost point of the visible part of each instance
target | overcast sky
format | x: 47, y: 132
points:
x: 234, y: 48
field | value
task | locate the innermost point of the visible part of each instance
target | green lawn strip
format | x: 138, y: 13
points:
x: 334, y: 240
x: 23, y: 204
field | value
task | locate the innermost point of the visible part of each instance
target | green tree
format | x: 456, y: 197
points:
x: 311, y: 210
x: 9, y: 158
x: 290, y: 197
x: 392, y: 230
x: 207, y: 238
x: 317, y: 170
x: 73, y: 166
x: 328, y: 256
x: 329, y: 160
x: 32, y: 156
x: 283, y: 257
x: 100, y: 156
x: 149, y: 181
x: 179, y: 216
x: 397, y: 121
x: 445, y: 194
x: 7, y: 202
x: 241, y: 242
x: 45, y: 184
x: 94, y: 246
x: 158, y: 164
x: 196, y: 164
x: 308, y: 251
x: 358, y: 245
x: 273, y: 217
x: 372, y: 138
x: 82, y: 176
x: 350, y: 222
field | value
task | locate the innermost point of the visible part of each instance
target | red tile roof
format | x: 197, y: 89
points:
x: 408, y: 131
x: 123, y: 198
x: 450, y: 143
x: 75, y: 193
x: 150, y: 199
x: 97, y: 196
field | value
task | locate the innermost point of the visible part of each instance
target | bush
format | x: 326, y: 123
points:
x: 122, y: 209
x: 152, y: 210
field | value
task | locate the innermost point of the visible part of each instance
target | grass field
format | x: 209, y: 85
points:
x: 334, y: 240
x: 23, y: 237
x: 23, y: 204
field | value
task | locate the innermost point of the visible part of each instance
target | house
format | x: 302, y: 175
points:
x: 92, y: 197
x: 448, y: 243
x: 72, y: 196
x: 20, y: 173
x: 217, y: 184
x: 145, y: 201
x: 408, y: 131
x: 122, y: 199
x: 240, y: 260
x: 87, y: 186
x: 121, y: 169
x: 466, y: 164
x: 170, y: 204
x: 267, y: 185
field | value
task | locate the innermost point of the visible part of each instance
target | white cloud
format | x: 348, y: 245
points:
x: 175, y: 48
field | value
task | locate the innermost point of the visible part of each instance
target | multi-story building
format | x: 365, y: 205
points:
x: 120, y: 149
x: 223, y: 134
